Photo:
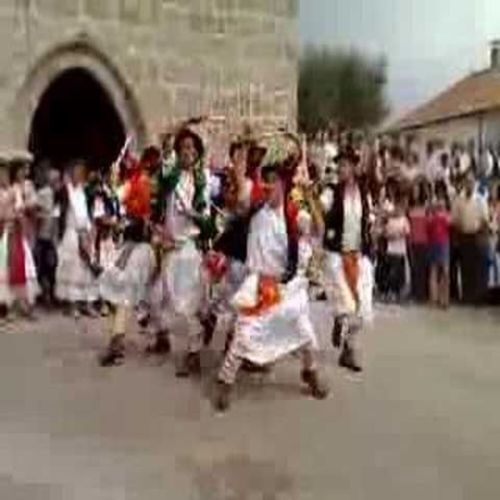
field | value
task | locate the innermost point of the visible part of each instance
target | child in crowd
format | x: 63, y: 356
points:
x: 438, y: 228
x: 397, y: 230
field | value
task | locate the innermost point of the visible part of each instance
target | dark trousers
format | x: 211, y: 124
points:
x: 455, y: 293
x: 395, y: 274
x: 46, y: 263
x: 472, y: 269
x: 419, y: 266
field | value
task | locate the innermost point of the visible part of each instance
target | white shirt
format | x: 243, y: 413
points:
x: 398, y: 229
x: 180, y: 202
x: 268, y: 242
x: 78, y: 209
x: 353, y: 210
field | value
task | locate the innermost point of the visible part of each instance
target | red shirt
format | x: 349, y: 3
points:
x: 438, y: 227
x: 418, y: 226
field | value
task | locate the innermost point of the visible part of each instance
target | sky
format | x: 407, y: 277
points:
x: 428, y: 44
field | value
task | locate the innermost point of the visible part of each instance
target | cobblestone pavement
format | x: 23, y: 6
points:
x: 422, y: 422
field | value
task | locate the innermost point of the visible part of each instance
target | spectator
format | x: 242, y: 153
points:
x: 438, y: 225
x: 470, y: 219
x: 418, y: 240
x: 397, y: 230
x: 46, y: 241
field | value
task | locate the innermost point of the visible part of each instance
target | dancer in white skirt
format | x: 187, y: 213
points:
x: 6, y: 216
x: 348, y: 271
x: 183, y: 206
x: 125, y: 283
x: 23, y: 282
x: 273, y: 304
x: 76, y: 279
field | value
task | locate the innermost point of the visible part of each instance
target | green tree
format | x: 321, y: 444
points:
x: 345, y: 87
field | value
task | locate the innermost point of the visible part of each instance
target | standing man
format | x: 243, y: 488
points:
x: 46, y: 243
x: 470, y: 220
x: 348, y: 270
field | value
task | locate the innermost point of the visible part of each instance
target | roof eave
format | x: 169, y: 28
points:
x: 425, y: 123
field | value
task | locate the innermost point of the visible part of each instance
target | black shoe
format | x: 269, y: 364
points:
x: 227, y: 344
x: 190, y: 365
x: 337, y: 333
x: 319, y: 390
x: 347, y: 360
x: 143, y: 320
x: 209, y: 324
x: 249, y: 367
x: 115, y: 353
x: 222, y: 398
x: 161, y: 346
x: 88, y: 311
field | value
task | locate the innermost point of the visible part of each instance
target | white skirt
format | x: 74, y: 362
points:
x: 338, y: 290
x: 183, y: 280
x: 279, y: 331
x: 129, y: 286
x: 5, y: 295
x: 75, y: 282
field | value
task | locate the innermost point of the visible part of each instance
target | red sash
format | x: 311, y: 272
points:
x: 16, y: 256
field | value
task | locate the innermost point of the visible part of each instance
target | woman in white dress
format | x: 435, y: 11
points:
x: 23, y: 283
x: 6, y: 216
x: 76, y: 276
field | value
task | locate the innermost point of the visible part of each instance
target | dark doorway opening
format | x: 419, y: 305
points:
x: 75, y: 118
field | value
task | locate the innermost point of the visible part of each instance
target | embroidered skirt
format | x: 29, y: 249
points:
x: 279, y: 330
x: 340, y: 293
x: 129, y: 285
x: 75, y: 280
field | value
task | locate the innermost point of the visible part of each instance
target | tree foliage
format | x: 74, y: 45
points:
x: 344, y: 87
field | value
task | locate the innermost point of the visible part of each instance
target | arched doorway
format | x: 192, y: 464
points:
x: 76, y: 118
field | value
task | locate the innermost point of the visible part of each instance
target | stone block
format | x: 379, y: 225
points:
x: 102, y: 9
x: 205, y: 52
x: 133, y: 67
x: 130, y: 10
x: 64, y: 8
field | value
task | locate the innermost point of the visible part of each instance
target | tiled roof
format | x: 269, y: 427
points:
x: 476, y: 93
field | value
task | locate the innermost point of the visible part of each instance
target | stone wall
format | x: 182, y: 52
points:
x: 159, y: 60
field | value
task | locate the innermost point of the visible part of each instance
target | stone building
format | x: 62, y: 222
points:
x: 77, y: 76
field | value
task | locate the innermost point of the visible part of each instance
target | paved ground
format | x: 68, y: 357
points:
x: 422, y: 423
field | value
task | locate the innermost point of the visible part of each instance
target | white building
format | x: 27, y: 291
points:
x: 466, y: 114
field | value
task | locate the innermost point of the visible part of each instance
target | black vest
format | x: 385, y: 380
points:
x: 334, y: 222
x: 233, y: 241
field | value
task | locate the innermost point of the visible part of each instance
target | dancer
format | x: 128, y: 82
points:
x: 76, y: 277
x: 6, y: 217
x: 348, y: 270
x: 46, y: 241
x: 125, y: 284
x: 23, y: 281
x: 183, y: 208
x: 273, y: 304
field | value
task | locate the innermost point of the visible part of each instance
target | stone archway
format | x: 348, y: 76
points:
x: 81, y: 69
x: 75, y: 118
